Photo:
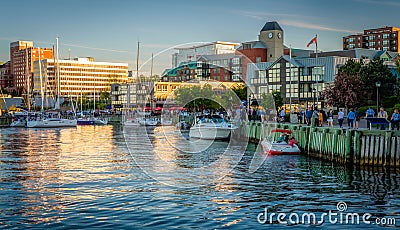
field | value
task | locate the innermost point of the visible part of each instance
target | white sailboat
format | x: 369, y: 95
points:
x: 47, y: 121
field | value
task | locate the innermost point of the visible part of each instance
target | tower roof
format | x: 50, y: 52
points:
x: 271, y: 26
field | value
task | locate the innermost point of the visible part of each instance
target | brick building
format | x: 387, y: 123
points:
x: 22, y: 56
x: 384, y: 38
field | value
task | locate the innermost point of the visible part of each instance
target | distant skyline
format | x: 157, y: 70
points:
x: 109, y: 30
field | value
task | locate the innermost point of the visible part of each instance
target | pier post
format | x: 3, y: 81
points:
x: 349, y: 135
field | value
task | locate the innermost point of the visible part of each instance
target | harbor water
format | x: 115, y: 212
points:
x: 112, y: 177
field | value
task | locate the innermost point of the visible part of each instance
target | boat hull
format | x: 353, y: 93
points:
x: 210, y: 133
x: 85, y: 122
x: 273, y: 148
x: 53, y: 123
x: 18, y: 123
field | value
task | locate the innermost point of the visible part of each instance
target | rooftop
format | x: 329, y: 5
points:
x: 271, y: 26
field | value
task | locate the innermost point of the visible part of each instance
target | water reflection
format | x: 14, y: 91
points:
x: 87, y: 178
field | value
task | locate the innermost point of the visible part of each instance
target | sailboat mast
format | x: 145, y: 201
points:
x: 41, y: 81
x: 151, y: 68
x: 137, y: 61
x: 28, y: 85
x: 58, y: 76
x: 94, y: 100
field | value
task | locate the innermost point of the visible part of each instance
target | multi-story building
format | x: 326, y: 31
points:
x: 304, y: 78
x: 6, y: 81
x: 268, y: 47
x: 140, y: 95
x: 230, y: 67
x: 22, y: 56
x: 78, y: 76
x: 301, y: 79
x: 164, y: 91
x: 189, y: 54
x: 384, y: 38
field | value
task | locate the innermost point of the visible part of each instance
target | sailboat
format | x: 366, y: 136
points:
x: 97, y: 120
x: 51, y: 120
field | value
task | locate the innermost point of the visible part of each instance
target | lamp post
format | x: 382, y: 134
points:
x: 251, y: 95
x: 314, y: 92
x: 377, y: 84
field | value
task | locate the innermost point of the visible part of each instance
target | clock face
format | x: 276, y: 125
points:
x: 279, y: 35
x: 270, y: 35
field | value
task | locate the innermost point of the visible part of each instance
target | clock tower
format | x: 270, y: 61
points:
x: 272, y: 36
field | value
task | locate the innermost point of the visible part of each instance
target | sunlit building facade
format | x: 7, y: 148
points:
x: 78, y: 76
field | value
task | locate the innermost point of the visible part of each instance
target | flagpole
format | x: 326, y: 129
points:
x: 316, y: 60
x: 290, y: 79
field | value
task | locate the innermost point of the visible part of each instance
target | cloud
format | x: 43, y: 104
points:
x: 388, y: 3
x: 313, y: 26
x: 294, y: 20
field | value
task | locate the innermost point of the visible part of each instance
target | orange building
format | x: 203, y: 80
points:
x: 22, y: 56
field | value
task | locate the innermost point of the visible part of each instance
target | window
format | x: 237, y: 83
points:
x: 274, y: 74
x: 236, y: 61
x: 258, y: 59
x: 385, y: 36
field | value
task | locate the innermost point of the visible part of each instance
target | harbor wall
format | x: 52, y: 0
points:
x: 349, y: 146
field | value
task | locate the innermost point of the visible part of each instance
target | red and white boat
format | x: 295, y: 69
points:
x: 275, y: 147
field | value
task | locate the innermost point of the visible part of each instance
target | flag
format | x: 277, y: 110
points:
x: 313, y: 41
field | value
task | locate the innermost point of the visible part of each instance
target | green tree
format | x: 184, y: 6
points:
x: 241, y: 91
x: 267, y: 101
x: 351, y: 67
x: 278, y: 100
x: 376, y: 71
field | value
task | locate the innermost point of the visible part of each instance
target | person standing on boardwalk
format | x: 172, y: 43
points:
x: 369, y: 114
x: 309, y: 114
x: 321, y: 117
x: 382, y: 114
x: 351, y: 116
x: 330, y: 118
x: 340, y: 118
x: 282, y: 115
x: 358, y: 118
x: 395, y: 119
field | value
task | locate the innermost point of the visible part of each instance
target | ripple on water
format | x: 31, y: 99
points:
x: 86, y: 178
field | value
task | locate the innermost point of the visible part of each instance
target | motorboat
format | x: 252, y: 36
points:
x: 149, y: 121
x: 131, y: 122
x: 100, y: 121
x: 212, y: 128
x: 166, y: 122
x: 85, y: 121
x: 279, y: 146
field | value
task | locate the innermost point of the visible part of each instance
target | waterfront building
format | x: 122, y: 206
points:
x: 140, y: 95
x: 22, y: 56
x: 309, y: 75
x: 384, y: 38
x: 6, y: 81
x: 78, y: 76
x: 224, y: 67
x: 164, y: 91
x: 192, y: 53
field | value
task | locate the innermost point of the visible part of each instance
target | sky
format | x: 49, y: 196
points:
x: 109, y: 30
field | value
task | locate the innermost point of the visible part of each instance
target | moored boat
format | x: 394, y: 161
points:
x: 212, y: 128
x: 280, y: 146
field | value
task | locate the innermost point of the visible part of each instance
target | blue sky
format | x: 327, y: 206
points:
x: 109, y: 30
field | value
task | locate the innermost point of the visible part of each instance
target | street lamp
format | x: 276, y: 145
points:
x: 377, y: 84
x: 314, y: 92
x: 251, y: 95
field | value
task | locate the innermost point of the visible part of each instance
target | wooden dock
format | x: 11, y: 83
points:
x: 349, y: 146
